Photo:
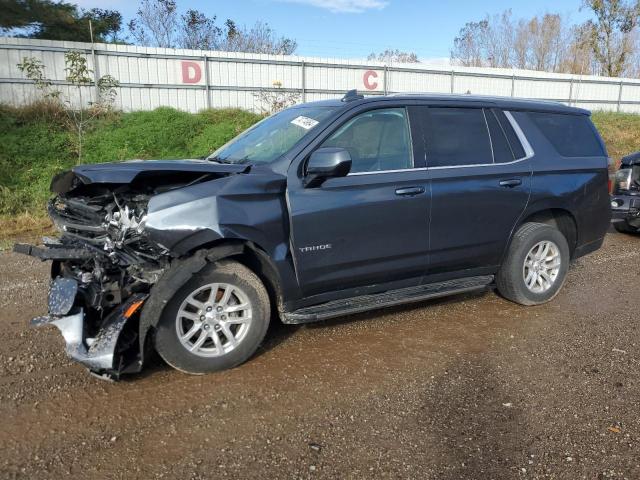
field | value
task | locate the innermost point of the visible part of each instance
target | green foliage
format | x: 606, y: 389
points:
x: 37, y: 146
x: 78, y: 72
x: 33, y: 69
x: 59, y: 20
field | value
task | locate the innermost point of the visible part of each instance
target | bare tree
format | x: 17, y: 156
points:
x: 521, y: 45
x: 544, y: 42
x: 394, y: 56
x: 497, y: 40
x: 156, y: 24
x: 578, y: 58
x: 612, y: 33
x: 468, y: 49
x: 260, y: 38
x: 547, y: 42
x: 197, y: 31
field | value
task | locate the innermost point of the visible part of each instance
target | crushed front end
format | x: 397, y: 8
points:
x: 625, y: 197
x: 105, y: 262
x: 102, y: 271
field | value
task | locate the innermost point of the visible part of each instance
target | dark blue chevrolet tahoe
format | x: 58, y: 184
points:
x: 322, y: 210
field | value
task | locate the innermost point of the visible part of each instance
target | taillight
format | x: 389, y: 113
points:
x: 611, y: 167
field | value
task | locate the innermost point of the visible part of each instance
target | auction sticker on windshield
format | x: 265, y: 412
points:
x: 304, y: 122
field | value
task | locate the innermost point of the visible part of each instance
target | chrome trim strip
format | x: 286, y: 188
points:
x: 520, y: 134
x: 486, y: 124
x: 355, y: 174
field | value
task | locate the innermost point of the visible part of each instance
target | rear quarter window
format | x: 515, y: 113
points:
x: 571, y: 135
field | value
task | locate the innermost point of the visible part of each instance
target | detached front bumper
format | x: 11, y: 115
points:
x: 626, y: 208
x: 112, y: 349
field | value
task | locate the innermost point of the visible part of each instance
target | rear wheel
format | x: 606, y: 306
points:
x: 217, y: 320
x: 536, y: 265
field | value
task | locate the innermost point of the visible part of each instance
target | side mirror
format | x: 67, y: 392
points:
x: 325, y: 163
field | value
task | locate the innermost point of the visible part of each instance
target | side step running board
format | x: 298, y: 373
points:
x: 339, y: 308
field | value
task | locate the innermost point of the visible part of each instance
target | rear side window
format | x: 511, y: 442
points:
x: 502, y: 152
x: 507, y: 128
x: 457, y: 136
x: 571, y: 135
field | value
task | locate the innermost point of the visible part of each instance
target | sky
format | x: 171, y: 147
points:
x: 355, y: 28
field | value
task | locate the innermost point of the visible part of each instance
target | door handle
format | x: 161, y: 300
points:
x: 409, y: 191
x: 511, y: 182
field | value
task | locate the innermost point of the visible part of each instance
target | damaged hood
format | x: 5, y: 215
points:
x: 631, y: 160
x: 127, y: 172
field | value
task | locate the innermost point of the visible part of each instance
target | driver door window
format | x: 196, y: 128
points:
x: 377, y: 140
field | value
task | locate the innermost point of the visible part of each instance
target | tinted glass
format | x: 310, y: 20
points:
x: 376, y: 140
x: 571, y: 135
x: 272, y: 137
x: 457, y: 136
x: 501, y: 150
x: 514, y: 141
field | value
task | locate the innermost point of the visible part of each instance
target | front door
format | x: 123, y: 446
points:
x: 370, y: 227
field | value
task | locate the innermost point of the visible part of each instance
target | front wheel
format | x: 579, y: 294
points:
x: 216, y: 321
x: 536, y: 265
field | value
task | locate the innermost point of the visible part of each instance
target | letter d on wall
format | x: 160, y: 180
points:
x: 191, y: 72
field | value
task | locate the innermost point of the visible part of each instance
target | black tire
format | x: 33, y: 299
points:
x: 624, y: 227
x: 172, y: 350
x: 510, y: 279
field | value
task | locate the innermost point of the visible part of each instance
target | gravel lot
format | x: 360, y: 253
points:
x: 468, y: 387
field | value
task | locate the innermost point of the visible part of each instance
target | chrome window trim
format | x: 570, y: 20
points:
x: 412, y: 169
x: 528, y: 150
x: 521, y: 136
x: 486, y: 124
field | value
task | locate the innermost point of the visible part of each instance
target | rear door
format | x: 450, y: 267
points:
x: 370, y: 227
x: 480, y: 180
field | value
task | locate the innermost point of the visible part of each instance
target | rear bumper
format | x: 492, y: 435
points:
x: 109, y: 350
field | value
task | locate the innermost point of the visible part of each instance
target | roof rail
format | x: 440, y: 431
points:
x: 352, y: 95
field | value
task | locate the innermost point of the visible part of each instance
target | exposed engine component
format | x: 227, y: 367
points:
x: 110, y: 222
x: 108, y: 256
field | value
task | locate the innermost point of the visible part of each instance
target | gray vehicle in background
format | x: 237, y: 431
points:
x: 625, y: 195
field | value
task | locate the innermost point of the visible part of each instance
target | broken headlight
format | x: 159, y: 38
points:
x: 624, y: 179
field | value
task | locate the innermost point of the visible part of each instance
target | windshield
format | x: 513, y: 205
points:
x: 272, y: 137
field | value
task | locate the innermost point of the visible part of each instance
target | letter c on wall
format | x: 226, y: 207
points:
x: 191, y: 72
x: 369, y: 80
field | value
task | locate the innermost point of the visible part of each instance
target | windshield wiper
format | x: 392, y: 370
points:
x: 219, y: 160
x: 228, y: 162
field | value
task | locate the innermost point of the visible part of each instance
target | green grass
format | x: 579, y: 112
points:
x: 36, y: 142
x: 621, y: 132
x: 37, y: 145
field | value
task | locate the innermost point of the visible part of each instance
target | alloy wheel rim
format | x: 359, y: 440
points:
x: 541, y: 266
x: 213, y: 319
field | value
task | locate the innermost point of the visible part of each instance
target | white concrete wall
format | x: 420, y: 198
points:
x: 194, y: 79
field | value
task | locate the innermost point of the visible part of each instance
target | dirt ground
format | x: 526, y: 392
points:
x: 469, y: 387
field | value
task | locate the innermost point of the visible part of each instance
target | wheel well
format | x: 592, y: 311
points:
x: 257, y: 260
x: 560, y: 219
